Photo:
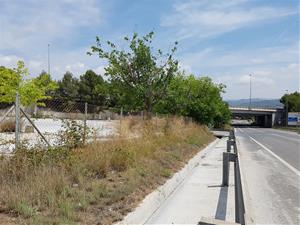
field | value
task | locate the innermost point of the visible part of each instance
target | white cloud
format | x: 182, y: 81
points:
x: 100, y: 70
x: 212, y: 58
x: 207, y: 18
x: 34, y: 64
x: 9, y: 60
x: 76, y: 66
x: 31, y: 24
x: 26, y: 27
x: 273, y: 69
x: 267, y: 81
x: 77, y: 62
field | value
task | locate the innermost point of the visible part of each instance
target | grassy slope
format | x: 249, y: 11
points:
x: 98, y: 183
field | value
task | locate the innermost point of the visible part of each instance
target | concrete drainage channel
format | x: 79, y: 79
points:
x: 231, y: 156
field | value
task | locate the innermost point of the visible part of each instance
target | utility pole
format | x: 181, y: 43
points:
x: 49, y: 59
x: 250, y: 92
x: 287, y: 107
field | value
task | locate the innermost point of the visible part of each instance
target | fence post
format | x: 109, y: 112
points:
x: 228, y: 145
x: 84, y: 122
x: 17, y: 121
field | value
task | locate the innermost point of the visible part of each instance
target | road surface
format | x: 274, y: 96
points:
x: 270, y: 164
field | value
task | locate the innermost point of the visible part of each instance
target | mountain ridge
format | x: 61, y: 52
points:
x: 255, y: 102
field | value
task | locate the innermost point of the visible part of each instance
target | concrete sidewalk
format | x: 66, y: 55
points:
x: 192, y: 193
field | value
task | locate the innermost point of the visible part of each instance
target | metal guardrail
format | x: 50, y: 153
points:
x: 239, y: 198
x: 238, y: 191
x: 231, y: 155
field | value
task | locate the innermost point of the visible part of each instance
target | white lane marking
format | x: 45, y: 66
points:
x: 285, y: 132
x: 288, y: 138
x: 268, y: 133
x: 297, y: 172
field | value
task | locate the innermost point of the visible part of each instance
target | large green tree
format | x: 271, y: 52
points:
x: 198, y: 98
x: 17, y: 80
x: 68, y: 87
x: 141, y: 73
x: 93, y: 88
x: 292, y: 101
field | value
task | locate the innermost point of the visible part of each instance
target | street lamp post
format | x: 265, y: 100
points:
x: 49, y: 59
x: 287, y: 107
x: 250, y: 92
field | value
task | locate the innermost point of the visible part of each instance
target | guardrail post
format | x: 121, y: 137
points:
x: 227, y: 158
x: 228, y: 145
x: 231, y: 135
x: 230, y: 142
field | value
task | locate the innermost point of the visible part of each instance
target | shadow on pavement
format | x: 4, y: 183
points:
x: 222, y: 204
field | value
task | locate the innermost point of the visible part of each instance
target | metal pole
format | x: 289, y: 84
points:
x: 35, y: 127
x: 250, y: 97
x: 287, y: 113
x: 228, y: 145
x: 287, y: 108
x: 17, y: 122
x: 84, y: 122
x: 49, y: 59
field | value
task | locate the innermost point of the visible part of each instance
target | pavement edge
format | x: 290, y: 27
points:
x: 246, y: 195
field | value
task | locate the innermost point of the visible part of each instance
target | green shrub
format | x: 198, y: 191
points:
x: 25, y: 210
x: 120, y: 159
x: 74, y: 134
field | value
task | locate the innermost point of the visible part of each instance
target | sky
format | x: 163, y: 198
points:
x: 224, y: 39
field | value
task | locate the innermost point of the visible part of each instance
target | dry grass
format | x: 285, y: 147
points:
x: 98, y: 183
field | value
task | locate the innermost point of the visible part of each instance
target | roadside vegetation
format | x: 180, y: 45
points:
x: 291, y: 101
x: 138, y: 78
x: 98, y: 183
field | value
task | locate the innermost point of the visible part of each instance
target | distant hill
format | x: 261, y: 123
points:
x: 256, y: 102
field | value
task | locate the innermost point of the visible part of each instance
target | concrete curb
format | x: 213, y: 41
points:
x: 154, y: 200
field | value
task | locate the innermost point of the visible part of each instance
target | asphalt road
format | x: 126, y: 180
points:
x: 270, y: 164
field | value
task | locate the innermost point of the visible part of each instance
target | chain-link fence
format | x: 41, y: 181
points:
x: 58, y: 122
x: 54, y: 123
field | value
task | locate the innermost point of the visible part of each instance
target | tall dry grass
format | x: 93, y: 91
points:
x: 102, y: 181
